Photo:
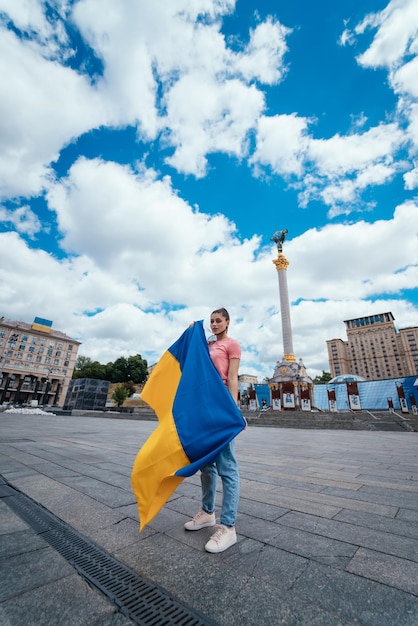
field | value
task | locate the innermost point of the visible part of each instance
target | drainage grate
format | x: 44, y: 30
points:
x: 142, y: 601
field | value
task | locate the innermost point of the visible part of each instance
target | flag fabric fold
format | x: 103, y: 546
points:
x: 197, y: 417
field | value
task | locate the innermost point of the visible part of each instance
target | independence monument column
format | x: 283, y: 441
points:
x: 291, y: 387
x: 281, y: 264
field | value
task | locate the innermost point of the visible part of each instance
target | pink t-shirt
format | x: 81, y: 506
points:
x: 220, y: 353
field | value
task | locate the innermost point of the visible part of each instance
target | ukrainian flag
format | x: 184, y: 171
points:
x: 197, y: 418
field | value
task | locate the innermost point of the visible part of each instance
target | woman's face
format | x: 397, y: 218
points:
x: 218, y: 324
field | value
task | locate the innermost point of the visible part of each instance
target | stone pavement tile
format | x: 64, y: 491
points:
x: 397, y: 526
x: 398, y: 497
x: 20, y: 542
x: 387, y: 569
x: 266, y: 562
x: 309, y: 544
x: 107, y: 494
x: 389, y: 474
x: 394, y: 483
x: 289, y: 478
x: 117, y: 536
x: 73, y: 507
x: 214, y: 588
x: 356, y: 599
x: 29, y: 570
x: 104, y: 475
x: 256, y: 528
x: 116, y: 467
x: 129, y: 510
x: 52, y: 470
x: 23, y: 472
x: 404, y: 547
x: 341, y: 499
x: 167, y: 519
x: 271, y: 478
x: 9, y: 522
x: 367, y: 496
x: 261, y: 510
x: 66, y: 602
x: 252, y: 491
x: 407, y: 514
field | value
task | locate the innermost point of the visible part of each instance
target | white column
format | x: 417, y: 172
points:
x: 281, y: 264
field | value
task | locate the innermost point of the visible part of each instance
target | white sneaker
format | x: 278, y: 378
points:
x: 201, y: 520
x: 221, y: 540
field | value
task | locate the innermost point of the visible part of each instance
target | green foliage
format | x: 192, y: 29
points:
x: 323, y: 379
x: 124, y: 370
x: 86, y: 368
x: 120, y: 394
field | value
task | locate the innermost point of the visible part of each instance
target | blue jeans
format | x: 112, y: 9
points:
x: 225, y: 466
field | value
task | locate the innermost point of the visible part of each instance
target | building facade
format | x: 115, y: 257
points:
x: 375, y: 349
x: 36, y: 363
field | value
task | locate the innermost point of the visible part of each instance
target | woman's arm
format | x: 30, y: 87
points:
x: 233, y: 378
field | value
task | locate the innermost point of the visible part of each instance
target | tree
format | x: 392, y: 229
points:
x: 132, y: 369
x: 87, y: 368
x: 323, y: 379
x: 120, y: 394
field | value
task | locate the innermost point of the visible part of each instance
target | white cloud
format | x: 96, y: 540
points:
x: 282, y: 143
x: 263, y: 58
x: 397, y: 27
x: 23, y: 219
x: 43, y: 106
x: 411, y: 178
x: 145, y: 264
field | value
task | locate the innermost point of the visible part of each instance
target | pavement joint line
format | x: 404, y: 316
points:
x: 139, y: 599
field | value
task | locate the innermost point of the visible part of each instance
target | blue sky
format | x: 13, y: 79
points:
x: 149, y: 151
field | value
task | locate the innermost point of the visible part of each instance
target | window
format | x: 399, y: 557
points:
x: 29, y: 357
x: 41, y: 351
x: 22, y: 346
x: 47, y: 359
x: 58, y: 353
x: 24, y: 338
x: 38, y: 359
x: 49, y: 351
x: 34, y: 340
x: 31, y: 348
x: 56, y: 361
x: 70, y: 347
x: 52, y: 344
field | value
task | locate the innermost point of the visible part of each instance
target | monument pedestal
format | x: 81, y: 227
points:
x: 291, y: 385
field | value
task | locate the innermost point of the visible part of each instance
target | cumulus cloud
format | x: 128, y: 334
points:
x: 134, y: 281
x: 23, y: 219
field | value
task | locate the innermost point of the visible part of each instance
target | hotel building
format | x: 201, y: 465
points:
x: 36, y: 363
x: 375, y: 349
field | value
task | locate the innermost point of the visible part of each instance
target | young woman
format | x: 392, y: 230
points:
x: 225, y: 354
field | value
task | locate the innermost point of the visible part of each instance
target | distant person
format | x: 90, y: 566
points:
x: 225, y: 354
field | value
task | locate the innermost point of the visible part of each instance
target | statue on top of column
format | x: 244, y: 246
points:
x: 279, y: 237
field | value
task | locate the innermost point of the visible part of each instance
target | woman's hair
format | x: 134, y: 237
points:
x: 222, y: 312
